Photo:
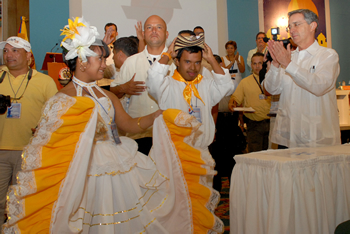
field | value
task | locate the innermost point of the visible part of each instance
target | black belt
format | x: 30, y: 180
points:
x: 246, y: 119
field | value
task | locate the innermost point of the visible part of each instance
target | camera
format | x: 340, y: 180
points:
x: 274, y: 33
x: 5, y: 102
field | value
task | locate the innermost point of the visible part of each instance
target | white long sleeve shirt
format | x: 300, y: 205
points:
x: 139, y: 105
x: 168, y: 92
x: 307, y: 115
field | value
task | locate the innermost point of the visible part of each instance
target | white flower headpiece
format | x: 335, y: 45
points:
x: 79, y: 37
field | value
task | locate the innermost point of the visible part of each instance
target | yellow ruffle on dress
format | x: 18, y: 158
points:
x: 197, y: 170
x: 76, y: 179
x: 45, y: 162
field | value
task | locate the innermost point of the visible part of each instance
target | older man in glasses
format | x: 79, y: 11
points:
x: 305, y: 78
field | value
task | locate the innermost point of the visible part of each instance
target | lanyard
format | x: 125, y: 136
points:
x: 29, y: 75
x: 262, y: 91
x: 81, y: 86
x: 2, y: 77
x: 196, y: 97
x: 93, y: 95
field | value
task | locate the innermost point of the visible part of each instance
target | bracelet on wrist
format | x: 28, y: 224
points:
x: 139, y: 124
x: 166, y: 54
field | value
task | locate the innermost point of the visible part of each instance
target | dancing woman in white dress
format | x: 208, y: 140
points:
x: 78, y: 175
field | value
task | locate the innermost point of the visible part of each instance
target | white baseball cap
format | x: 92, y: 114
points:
x: 16, y: 42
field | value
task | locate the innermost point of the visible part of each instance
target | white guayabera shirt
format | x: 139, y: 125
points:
x: 307, y: 115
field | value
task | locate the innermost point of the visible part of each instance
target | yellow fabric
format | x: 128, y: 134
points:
x: 190, y: 86
x: 203, y: 219
x: 71, y: 30
x: 22, y: 33
x: 55, y: 156
x: 247, y: 93
x: 15, y: 133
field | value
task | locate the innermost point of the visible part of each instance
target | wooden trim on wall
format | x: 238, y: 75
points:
x: 4, y: 20
x: 11, y: 16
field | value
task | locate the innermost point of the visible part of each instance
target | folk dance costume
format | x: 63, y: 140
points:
x: 194, y: 98
x: 78, y: 176
x: 75, y: 177
x: 87, y: 183
x: 167, y: 90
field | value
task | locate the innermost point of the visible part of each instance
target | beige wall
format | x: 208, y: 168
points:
x: 182, y: 14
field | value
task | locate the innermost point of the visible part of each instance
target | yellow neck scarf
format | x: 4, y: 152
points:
x: 190, y: 86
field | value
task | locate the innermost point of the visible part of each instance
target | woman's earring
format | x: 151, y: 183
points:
x: 82, y: 67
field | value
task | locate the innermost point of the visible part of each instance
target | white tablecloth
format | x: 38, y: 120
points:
x: 301, y: 190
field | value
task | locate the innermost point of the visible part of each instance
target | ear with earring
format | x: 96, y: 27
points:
x: 82, y: 66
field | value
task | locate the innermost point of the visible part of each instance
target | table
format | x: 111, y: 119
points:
x: 344, y: 127
x: 300, y: 190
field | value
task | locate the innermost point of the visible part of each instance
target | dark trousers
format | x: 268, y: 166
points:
x: 145, y: 145
x: 257, y: 134
x: 223, y: 148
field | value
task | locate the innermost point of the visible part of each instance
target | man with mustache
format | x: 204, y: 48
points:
x: 29, y: 90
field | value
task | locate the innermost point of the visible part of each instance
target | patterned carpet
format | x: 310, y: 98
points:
x: 223, y: 209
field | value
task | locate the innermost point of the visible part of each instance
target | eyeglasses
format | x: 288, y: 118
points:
x: 296, y: 24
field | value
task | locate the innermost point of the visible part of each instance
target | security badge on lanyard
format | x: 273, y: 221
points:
x: 233, y: 72
x: 15, y: 110
x: 196, y: 112
x: 262, y: 96
x: 115, y: 133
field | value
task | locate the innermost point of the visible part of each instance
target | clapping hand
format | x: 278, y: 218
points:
x: 279, y: 54
x: 237, y: 56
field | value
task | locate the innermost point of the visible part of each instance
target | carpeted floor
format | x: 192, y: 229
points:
x: 223, y: 209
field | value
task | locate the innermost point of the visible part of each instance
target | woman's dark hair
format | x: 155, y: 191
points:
x: 233, y: 43
x: 192, y: 49
x: 72, y: 63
